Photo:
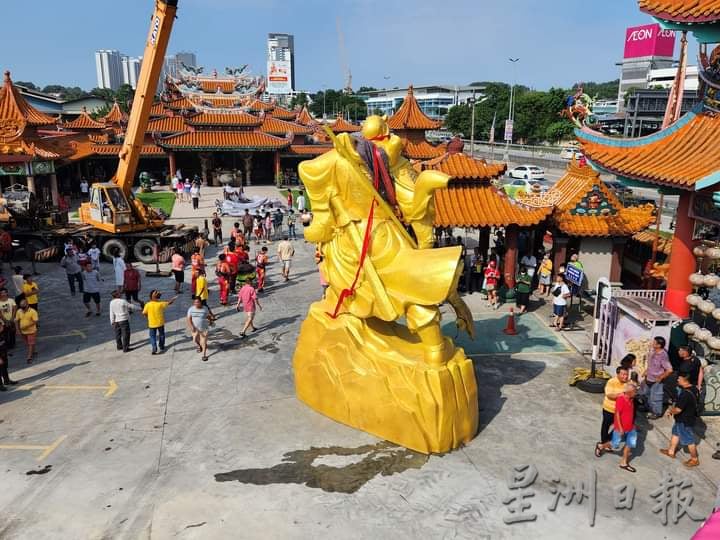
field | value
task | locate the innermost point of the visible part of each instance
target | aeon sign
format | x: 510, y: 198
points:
x: 649, y: 40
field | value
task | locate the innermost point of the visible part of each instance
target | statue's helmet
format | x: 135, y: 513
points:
x: 375, y: 128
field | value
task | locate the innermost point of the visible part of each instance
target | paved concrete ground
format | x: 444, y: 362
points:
x: 186, y: 449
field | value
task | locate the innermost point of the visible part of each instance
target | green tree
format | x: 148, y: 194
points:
x: 299, y: 100
x: 337, y: 102
x: 559, y: 131
x: 124, y: 96
x: 367, y: 89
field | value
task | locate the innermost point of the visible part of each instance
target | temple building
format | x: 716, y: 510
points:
x: 410, y: 124
x: 681, y: 158
x: 588, y: 219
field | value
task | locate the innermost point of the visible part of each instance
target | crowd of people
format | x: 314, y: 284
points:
x: 675, y: 390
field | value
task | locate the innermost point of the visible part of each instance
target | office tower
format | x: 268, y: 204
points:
x: 281, y: 63
x: 109, y: 69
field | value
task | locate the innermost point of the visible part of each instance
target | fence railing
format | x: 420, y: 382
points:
x: 657, y: 296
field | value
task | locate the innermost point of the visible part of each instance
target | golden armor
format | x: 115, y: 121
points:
x: 354, y: 361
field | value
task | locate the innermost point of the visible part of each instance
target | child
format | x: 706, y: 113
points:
x: 257, y: 227
x: 261, y: 260
x: 94, y: 254
x: 31, y: 291
x: 268, y: 227
x: 291, y: 220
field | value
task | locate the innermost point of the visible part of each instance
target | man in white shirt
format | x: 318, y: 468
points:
x: 301, y: 202
x: 285, y: 254
x: 120, y: 320
x: 84, y: 189
x: 530, y: 262
x: 119, y: 268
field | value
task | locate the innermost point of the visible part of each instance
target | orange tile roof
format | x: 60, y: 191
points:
x: 683, y: 11
x: 257, y: 105
x: 82, y: 150
x: 114, y: 150
x: 239, y: 118
x: 116, y: 115
x: 680, y: 156
x: 84, y: 121
x: 284, y: 114
x: 648, y: 237
x: 158, y: 109
x: 343, y: 126
x: 16, y: 113
x: 211, y: 85
x: 100, y: 138
x: 310, y: 149
x: 180, y: 103
x: 213, y: 101
x: 167, y: 124
x: 305, y: 118
x: 281, y: 127
x: 421, y: 150
x: 410, y: 116
x: 462, y: 167
x: 483, y: 205
x: 224, y: 140
x: 574, y: 216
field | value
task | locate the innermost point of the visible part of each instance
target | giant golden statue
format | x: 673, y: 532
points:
x: 354, y: 361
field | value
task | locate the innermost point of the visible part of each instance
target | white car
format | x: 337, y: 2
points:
x: 527, y: 172
x: 517, y: 188
x: 570, y: 153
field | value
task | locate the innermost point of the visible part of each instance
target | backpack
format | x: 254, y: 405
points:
x: 557, y: 291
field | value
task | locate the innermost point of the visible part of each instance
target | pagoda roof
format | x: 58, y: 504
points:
x: 305, y: 118
x: 180, y: 103
x: 462, y: 167
x: 239, y: 118
x: 158, y: 109
x: 281, y: 127
x: 116, y: 115
x: 223, y: 140
x: 410, y: 116
x: 257, y: 105
x: 682, y: 11
x: 648, y: 237
x: 585, y: 206
x: 84, y: 121
x: 343, y: 126
x: 310, y: 149
x: 483, y: 205
x: 16, y: 113
x: 167, y: 124
x: 284, y: 114
x: 421, y: 150
x: 226, y: 86
x: 148, y: 149
x: 681, y: 156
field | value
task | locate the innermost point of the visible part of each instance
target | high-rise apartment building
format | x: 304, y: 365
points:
x: 174, y: 62
x: 109, y: 69
x: 131, y: 70
x: 281, y: 63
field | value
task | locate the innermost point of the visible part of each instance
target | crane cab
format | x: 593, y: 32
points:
x: 111, y: 210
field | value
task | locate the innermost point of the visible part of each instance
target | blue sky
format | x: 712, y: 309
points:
x: 559, y: 42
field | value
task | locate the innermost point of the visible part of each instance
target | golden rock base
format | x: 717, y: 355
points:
x: 371, y: 375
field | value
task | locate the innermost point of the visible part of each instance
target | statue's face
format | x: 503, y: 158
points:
x: 393, y: 148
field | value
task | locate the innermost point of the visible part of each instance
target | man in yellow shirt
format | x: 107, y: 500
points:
x: 31, y: 291
x: 154, y: 310
x: 613, y: 389
x: 26, y: 320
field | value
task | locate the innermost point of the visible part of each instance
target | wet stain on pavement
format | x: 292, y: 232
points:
x: 362, y: 464
x: 46, y: 469
x: 196, y: 525
x: 270, y: 347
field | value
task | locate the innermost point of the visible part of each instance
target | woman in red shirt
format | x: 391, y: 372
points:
x: 492, y: 275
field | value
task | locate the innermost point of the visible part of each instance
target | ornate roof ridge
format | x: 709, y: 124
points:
x: 16, y: 113
x: 410, y: 116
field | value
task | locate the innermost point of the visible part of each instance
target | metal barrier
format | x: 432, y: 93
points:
x: 657, y: 296
x: 46, y: 254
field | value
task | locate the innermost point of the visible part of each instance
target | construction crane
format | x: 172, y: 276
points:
x: 344, y: 66
x: 114, y: 220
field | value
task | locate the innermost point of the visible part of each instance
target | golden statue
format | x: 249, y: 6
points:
x: 354, y: 361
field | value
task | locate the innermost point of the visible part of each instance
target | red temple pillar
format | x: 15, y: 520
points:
x: 277, y: 168
x: 172, y: 163
x: 511, y: 252
x: 682, y: 260
x: 560, y: 250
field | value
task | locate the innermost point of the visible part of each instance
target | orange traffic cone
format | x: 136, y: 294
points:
x: 510, y: 327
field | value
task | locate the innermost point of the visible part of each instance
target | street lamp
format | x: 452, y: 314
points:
x: 472, y: 101
x: 511, y: 111
x: 324, y: 87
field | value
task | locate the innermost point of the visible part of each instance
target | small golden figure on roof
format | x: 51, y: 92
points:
x: 354, y: 361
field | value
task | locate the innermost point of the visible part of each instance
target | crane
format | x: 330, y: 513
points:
x: 347, y: 74
x: 112, y: 207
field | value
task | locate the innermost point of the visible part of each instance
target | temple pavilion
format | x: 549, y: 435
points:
x: 681, y: 159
